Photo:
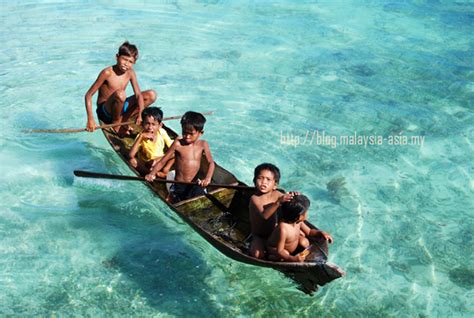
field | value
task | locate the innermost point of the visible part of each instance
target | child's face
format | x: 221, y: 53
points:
x: 190, y: 134
x: 125, y: 63
x: 265, y: 181
x: 151, y: 125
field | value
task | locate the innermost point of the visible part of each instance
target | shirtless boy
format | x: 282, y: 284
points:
x: 187, y: 151
x: 264, y: 205
x: 113, y: 105
x: 149, y: 146
x: 292, y: 232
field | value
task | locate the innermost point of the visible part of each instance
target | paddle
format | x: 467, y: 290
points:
x: 75, y: 130
x: 89, y: 174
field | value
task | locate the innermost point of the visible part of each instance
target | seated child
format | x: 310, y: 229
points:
x: 150, y: 143
x: 113, y: 105
x: 263, y: 206
x: 291, y: 231
x: 187, y: 151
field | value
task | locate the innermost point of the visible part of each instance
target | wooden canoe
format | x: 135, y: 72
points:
x: 221, y: 218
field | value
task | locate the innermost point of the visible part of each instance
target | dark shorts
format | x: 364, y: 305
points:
x: 181, y: 192
x: 104, y: 114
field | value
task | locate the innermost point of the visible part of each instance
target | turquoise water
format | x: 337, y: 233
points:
x: 277, y: 75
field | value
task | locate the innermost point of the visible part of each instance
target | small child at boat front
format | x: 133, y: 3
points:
x: 264, y: 205
x: 187, y: 151
x: 292, y: 231
x: 150, y: 144
x: 113, y: 105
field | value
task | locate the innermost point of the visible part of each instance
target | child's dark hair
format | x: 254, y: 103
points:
x: 154, y: 112
x: 128, y: 49
x: 197, y: 120
x: 291, y: 210
x: 267, y: 166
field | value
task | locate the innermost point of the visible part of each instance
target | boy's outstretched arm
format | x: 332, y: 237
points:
x: 160, y: 164
x: 271, y: 208
x: 138, y: 95
x: 212, y: 165
x: 313, y: 232
x: 91, y: 125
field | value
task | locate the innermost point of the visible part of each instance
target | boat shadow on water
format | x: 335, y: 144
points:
x: 151, y: 262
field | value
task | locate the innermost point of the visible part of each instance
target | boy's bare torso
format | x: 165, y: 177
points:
x: 291, y: 237
x: 115, y: 80
x: 188, y: 160
x: 260, y: 226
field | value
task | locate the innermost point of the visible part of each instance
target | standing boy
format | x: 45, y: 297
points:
x: 264, y: 205
x: 187, y: 151
x: 291, y: 231
x: 113, y: 105
x: 149, y: 146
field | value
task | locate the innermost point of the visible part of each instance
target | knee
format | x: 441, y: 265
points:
x: 304, y: 242
x: 152, y: 96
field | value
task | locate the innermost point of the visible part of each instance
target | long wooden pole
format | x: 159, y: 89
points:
x: 76, y: 130
x: 97, y: 175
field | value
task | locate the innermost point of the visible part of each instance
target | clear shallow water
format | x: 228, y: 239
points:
x: 401, y: 215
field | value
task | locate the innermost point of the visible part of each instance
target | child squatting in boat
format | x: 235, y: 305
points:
x: 187, y: 151
x: 150, y: 144
x: 264, y: 205
x: 292, y: 232
x: 113, y: 105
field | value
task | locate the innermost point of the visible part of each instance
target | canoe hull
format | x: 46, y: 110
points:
x: 221, y: 218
